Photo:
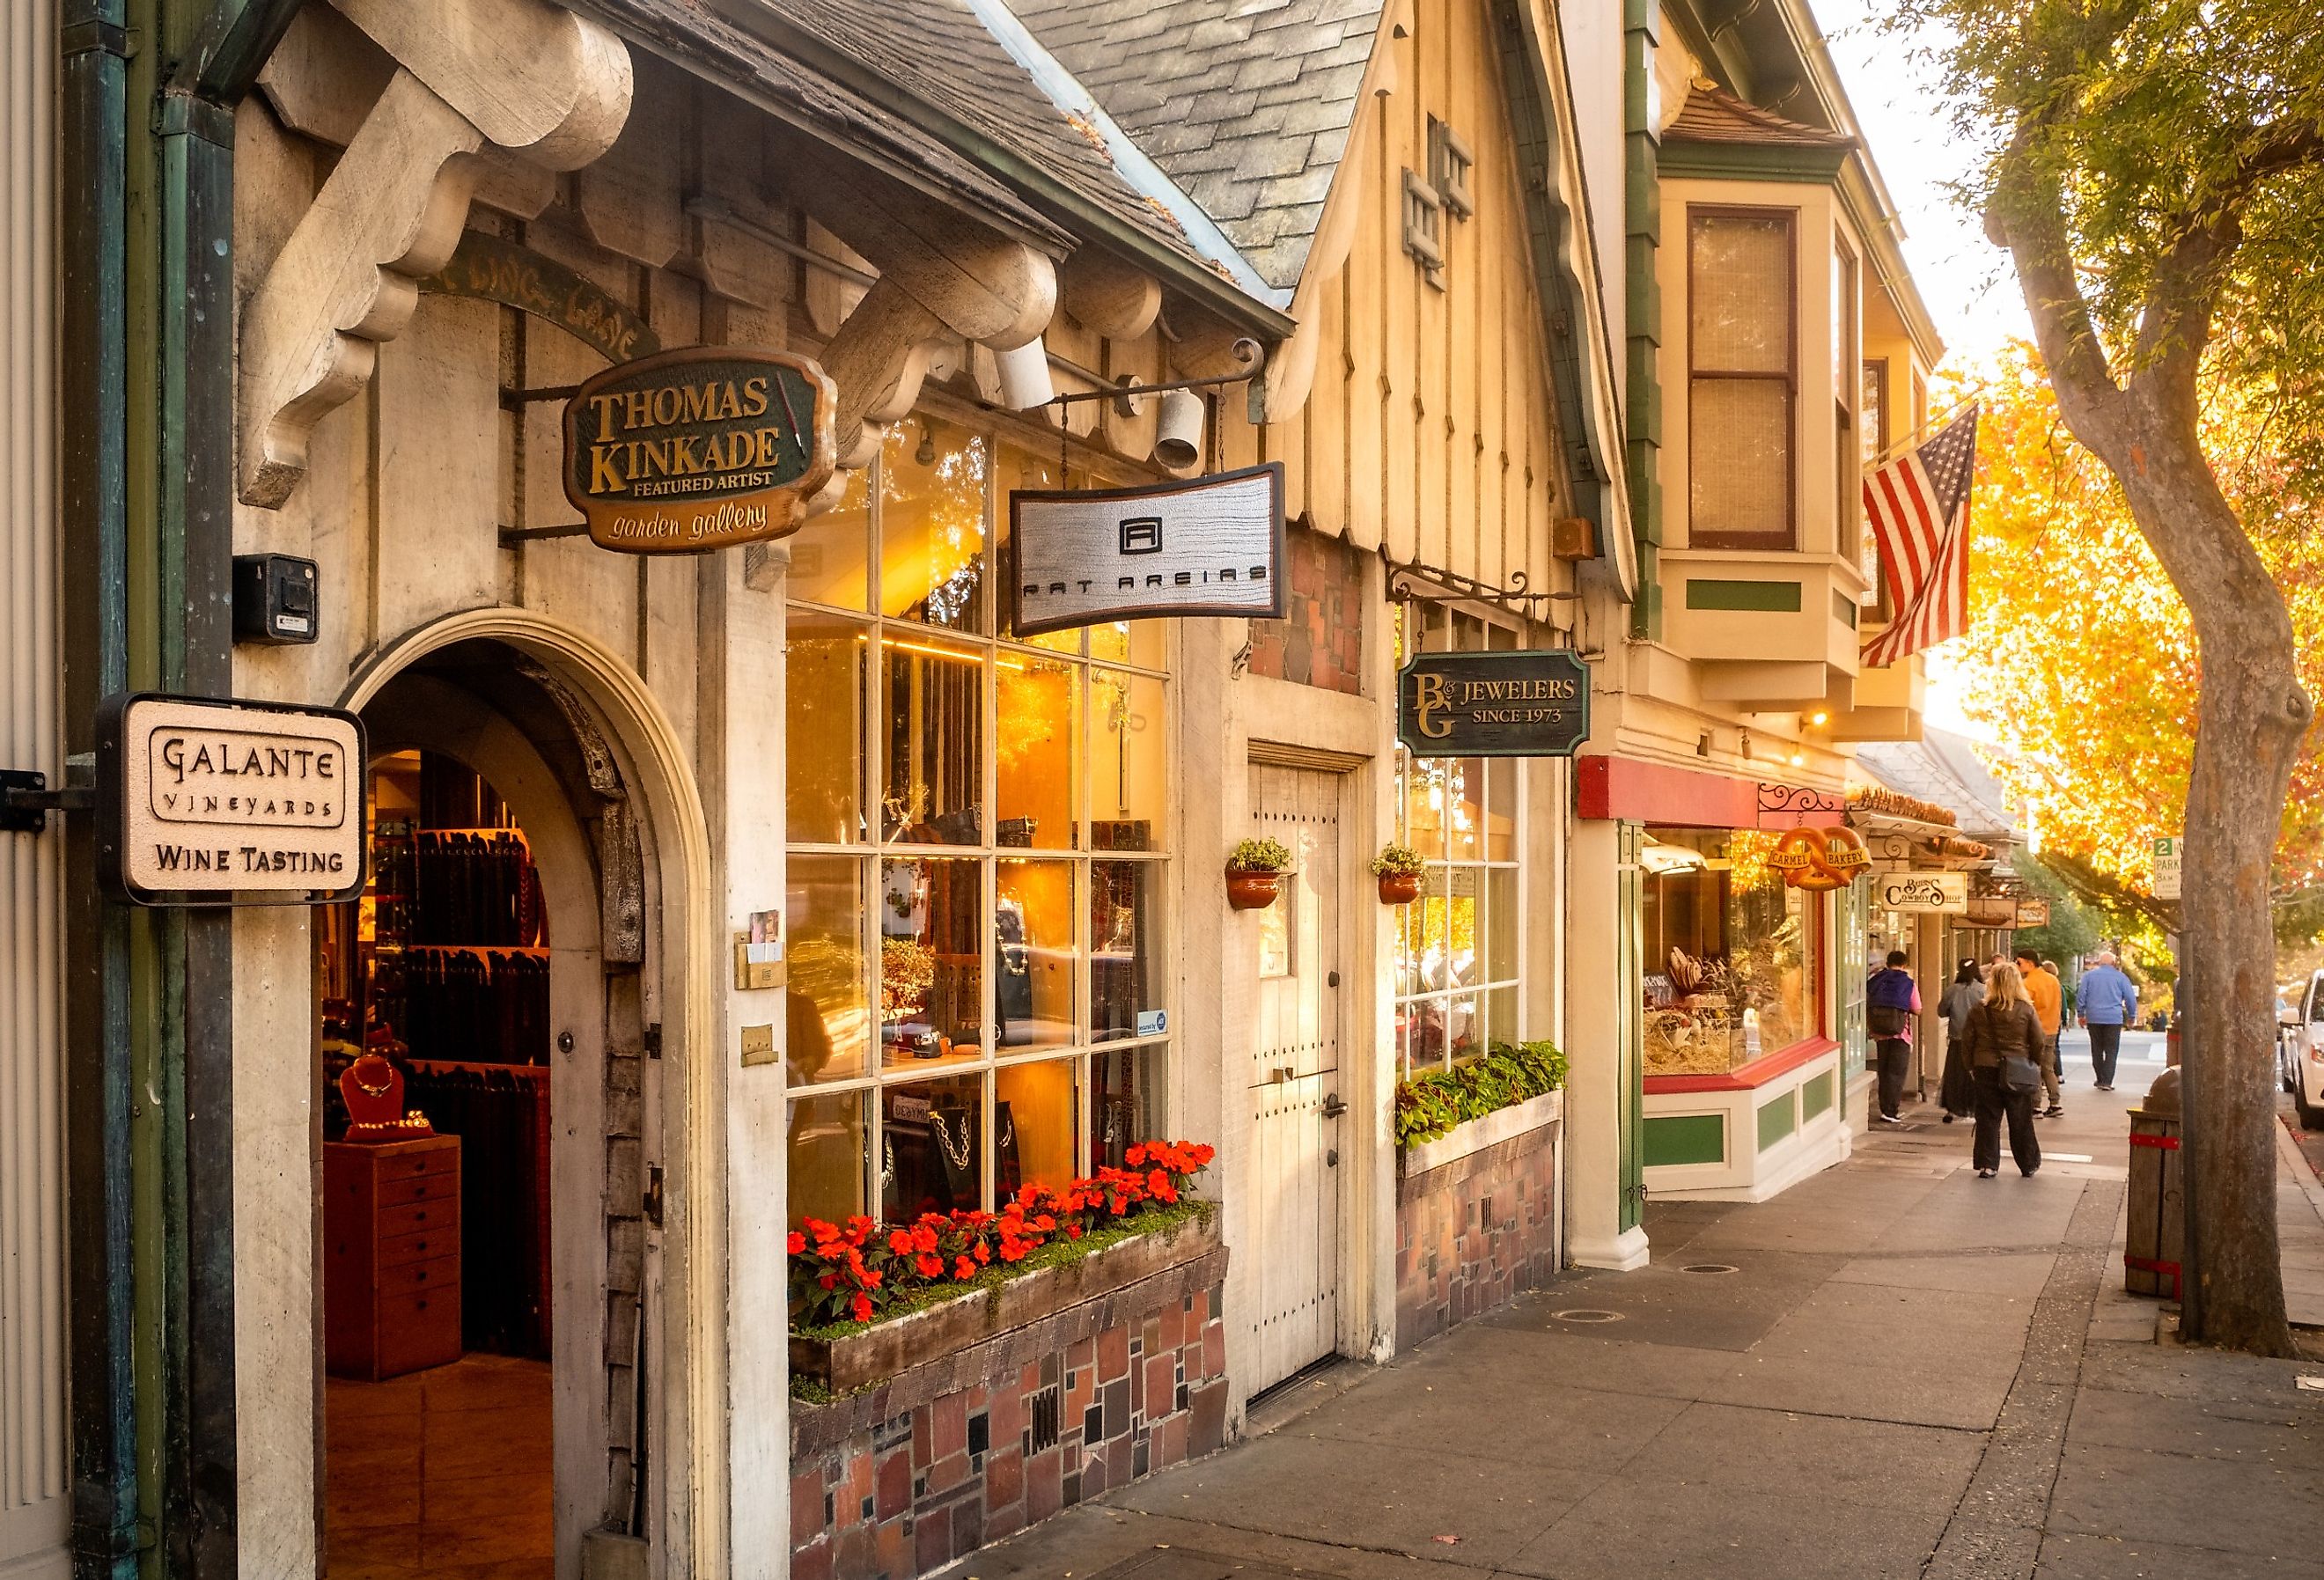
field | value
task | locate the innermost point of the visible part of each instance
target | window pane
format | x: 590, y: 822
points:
x: 936, y: 734
x: 1460, y: 937
x: 1739, y: 469
x: 1035, y: 1116
x: 1031, y: 470
x: 1129, y: 1100
x: 932, y: 1156
x: 1034, y: 749
x: 1426, y: 783
x: 1501, y: 1015
x: 1740, y: 300
x: 824, y: 697
x: 1423, y: 1022
x: 1128, y: 754
x: 931, y: 949
x: 1033, y: 954
x: 829, y: 554
x: 827, y: 1015
x: 1408, y: 947
x: 1501, y: 809
x: 1136, y: 642
x: 1502, y: 925
x: 1126, y: 962
x: 1464, y: 795
x: 1464, y: 1026
x: 932, y: 478
x: 827, y: 1157
x: 1435, y: 908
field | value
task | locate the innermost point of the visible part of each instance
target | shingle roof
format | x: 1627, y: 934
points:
x: 1943, y: 768
x: 1711, y: 116
x: 1246, y: 104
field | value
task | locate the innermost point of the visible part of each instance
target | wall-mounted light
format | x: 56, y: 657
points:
x: 1797, y: 759
x: 1747, y: 746
x: 1179, y: 430
x: 927, y: 454
x: 1814, y: 721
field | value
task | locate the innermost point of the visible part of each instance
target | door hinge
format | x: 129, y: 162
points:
x: 651, y: 1204
x: 653, y: 1040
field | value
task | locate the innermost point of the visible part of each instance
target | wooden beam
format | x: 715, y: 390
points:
x: 878, y: 358
x: 1119, y: 301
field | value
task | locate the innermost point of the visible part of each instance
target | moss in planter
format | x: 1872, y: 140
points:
x: 1058, y: 1252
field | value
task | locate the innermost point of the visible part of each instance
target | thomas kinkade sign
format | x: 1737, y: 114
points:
x: 1212, y: 546
x: 203, y: 801
x: 698, y: 449
x: 1532, y: 704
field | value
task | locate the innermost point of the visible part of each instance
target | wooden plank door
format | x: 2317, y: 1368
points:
x: 1294, y: 1080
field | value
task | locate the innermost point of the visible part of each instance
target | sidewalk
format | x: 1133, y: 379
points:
x: 1894, y: 1370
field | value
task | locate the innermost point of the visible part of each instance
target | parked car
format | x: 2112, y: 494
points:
x: 2299, y: 1054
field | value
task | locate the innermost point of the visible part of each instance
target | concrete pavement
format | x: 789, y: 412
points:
x: 1895, y: 1369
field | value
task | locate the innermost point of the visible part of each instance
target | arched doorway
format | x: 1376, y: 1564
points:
x: 491, y: 1292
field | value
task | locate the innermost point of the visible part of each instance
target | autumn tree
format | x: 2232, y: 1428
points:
x: 2155, y: 170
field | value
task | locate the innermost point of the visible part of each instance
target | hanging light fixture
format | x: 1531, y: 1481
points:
x: 927, y: 454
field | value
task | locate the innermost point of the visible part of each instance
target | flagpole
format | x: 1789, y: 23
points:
x: 1929, y: 425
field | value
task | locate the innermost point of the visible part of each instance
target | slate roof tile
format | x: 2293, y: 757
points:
x: 1295, y: 67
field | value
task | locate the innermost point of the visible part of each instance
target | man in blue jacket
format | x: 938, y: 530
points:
x: 2107, y: 1001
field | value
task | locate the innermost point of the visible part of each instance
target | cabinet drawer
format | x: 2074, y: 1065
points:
x: 419, y: 1329
x: 411, y: 1165
x: 394, y: 1193
x: 415, y: 1277
x: 441, y: 1240
x: 415, y: 1216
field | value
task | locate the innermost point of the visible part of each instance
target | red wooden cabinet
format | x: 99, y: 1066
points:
x: 390, y: 1256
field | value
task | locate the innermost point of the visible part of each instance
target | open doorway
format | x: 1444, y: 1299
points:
x: 436, y: 1104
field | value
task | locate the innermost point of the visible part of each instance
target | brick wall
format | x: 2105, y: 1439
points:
x: 1320, y: 640
x: 1475, y: 1234
x: 900, y: 1479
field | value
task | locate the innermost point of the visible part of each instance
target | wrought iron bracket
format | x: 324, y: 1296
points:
x: 1124, y: 395
x: 1419, y: 581
x: 26, y: 801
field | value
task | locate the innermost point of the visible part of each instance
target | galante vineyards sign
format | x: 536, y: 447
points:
x: 202, y: 801
x: 1210, y: 546
x: 1531, y: 704
x: 698, y: 449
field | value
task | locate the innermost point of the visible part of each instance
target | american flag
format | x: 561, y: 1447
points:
x: 1918, y: 505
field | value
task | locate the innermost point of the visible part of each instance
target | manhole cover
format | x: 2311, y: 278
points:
x: 1587, y: 1315
x: 1709, y: 1266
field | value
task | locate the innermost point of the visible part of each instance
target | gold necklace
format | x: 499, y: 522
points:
x: 365, y: 1086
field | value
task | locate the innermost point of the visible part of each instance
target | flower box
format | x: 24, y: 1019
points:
x: 865, y: 1355
x: 1489, y: 1130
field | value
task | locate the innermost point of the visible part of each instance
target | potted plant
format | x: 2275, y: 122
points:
x: 1397, y: 867
x: 1254, y: 869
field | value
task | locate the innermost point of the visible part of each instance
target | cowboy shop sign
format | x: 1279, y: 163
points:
x: 699, y: 448
x: 1528, y: 704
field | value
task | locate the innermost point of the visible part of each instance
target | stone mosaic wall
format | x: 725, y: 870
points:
x: 898, y: 1480
x: 1320, y: 640
x: 1475, y: 1234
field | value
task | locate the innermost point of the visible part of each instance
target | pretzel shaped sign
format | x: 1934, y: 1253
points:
x: 1818, y: 859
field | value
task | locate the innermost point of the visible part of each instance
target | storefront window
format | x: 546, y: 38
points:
x: 1731, y: 952
x: 1458, y: 947
x: 978, y: 829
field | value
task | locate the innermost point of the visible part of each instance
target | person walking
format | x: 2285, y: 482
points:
x: 2049, y: 1001
x: 2107, y: 1001
x: 2004, y: 1046
x: 1891, y: 999
x: 1957, y: 1091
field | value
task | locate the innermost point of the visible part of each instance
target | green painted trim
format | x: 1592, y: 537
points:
x: 1751, y: 161
x: 1674, y: 1139
x: 1642, y: 24
x: 1815, y: 1096
x: 1763, y: 597
x: 1776, y: 1119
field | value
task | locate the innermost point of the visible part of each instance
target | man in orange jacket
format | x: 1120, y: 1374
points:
x: 2050, y: 1005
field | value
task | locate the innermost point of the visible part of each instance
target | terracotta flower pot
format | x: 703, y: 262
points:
x: 1399, y: 888
x: 1250, y: 891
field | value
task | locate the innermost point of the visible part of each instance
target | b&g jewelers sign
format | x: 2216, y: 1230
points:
x: 1211, y: 546
x: 698, y: 449
x: 202, y: 801
x: 1531, y: 704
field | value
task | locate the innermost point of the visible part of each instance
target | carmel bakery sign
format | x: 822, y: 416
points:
x: 203, y: 801
x: 1532, y: 703
x: 699, y: 448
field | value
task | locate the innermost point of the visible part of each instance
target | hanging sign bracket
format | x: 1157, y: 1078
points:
x: 26, y: 801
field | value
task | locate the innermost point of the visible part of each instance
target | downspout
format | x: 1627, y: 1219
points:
x: 1642, y: 307
x: 92, y: 521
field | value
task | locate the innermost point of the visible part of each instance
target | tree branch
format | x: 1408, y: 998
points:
x: 2027, y: 215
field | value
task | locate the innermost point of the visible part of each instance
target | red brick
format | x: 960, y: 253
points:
x: 853, y: 1490
x: 1149, y: 1335
x: 1044, y: 1492
x: 892, y: 1551
x: 811, y: 1562
x: 1214, y: 1350
x: 1081, y: 1388
x: 1161, y: 1386
x: 948, y: 1471
x: 1029, y: 1381
x: 1004, y: 1522
x: 1082, y: 1354
x: 1008, y: 1413
x: 1093, y: 1478
x: 1173, y: 1329
x: 1113, y: 1354
x: 1170, y: 1440
x: 950, y: 1430
x: 922, y: 1445
x: 935, y: 1544
x: 894, y: 1479
x: 851, y: 1555
x: 806, y: 1506
x: 1004, y: 1477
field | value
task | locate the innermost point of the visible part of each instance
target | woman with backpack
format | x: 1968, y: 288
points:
x: 2004, y: 1045
x: 1966, y: 992
x: 1891, y: 999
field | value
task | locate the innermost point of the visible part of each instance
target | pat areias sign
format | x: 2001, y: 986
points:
x: 698, y: 449
x: 1529, y: 704
x: 1212, y: 546
x: 203, y: 801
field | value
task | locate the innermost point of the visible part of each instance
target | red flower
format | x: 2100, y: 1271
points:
x: 1136, y: 1155
x: 923, y: 1236
x: 796, y: 1244
x: 983, y: 1252
x: 964, y: 1269
x: 930, y: 1266
x: 900, y: 1242
x: 863, y: 1307
x: 1072, y: 1231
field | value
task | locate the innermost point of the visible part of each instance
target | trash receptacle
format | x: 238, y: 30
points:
x: 2157, y: 1228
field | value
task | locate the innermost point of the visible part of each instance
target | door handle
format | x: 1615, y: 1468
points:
x: 1332, y: 979
x: 1333, y: 1107
x: 1332, y: 1159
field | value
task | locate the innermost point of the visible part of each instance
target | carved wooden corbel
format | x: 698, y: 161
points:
x: 470, y: 75
x: 878, y: 359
